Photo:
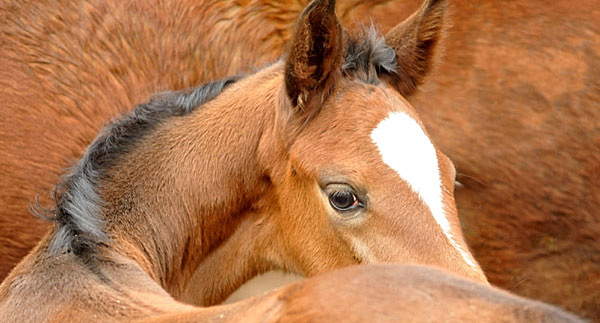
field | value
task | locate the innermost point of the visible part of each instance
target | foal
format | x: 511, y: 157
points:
x: 311, y: 164
x: 513, y: 104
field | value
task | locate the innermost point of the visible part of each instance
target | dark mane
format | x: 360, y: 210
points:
x: 366, y: 55
x: 78, y: 207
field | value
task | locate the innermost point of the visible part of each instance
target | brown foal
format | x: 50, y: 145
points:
x: 513, y: 104
x: 313, y: 163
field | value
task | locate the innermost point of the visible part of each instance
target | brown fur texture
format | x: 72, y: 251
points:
x: 513, y: 103
x: 59, y: 84
x: 382, y: 293
x: 417, y: 36
x: 230, y: 169
x: 314, y: 62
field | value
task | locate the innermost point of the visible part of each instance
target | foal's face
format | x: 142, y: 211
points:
x: 365, y: 184
x: 361, y: 181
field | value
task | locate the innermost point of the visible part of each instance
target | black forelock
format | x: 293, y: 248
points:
x: 366, y: 55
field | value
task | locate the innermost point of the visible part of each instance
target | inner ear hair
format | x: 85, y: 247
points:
x: 416, y: 42
x: 314, y: 59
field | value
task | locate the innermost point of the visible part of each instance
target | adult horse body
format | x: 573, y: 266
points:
x: 311, y: 164
x: 513, y: 103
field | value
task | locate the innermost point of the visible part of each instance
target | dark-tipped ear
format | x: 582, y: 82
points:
x: 415, y: 41
x: 314, y: 57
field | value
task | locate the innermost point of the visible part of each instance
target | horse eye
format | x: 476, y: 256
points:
x: 343, y: 201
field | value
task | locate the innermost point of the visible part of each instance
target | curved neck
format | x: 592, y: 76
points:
x: 230, y: 265
x: 254, y: 248
x: 186, y: 187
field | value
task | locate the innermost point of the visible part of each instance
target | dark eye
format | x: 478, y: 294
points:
x: 343, y: 200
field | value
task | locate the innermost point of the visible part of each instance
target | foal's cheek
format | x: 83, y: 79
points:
x: 307, y: 235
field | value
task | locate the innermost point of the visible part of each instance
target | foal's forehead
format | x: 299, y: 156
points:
x: 371, y: 102
x: 405, y: 148
x: 342, y: 132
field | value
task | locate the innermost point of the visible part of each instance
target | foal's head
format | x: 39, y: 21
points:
x: 311, y: 164
x: 357, y: 178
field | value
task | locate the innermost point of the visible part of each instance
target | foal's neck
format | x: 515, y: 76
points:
x: 184, y: 189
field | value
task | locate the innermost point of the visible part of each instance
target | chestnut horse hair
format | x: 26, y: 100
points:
x: 315, y: 163
x: 78, y: 206
x: 295, y: 167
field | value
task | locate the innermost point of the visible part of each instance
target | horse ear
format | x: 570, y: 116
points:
x: 415, y: 41
x: 314, y: 57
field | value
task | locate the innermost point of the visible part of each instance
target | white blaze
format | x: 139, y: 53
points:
x: 405, y: 148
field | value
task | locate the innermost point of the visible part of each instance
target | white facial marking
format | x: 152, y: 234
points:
x: 405, y: 148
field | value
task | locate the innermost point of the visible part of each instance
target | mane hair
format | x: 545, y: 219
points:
x: 77, y: 209
x: 366, y: 55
